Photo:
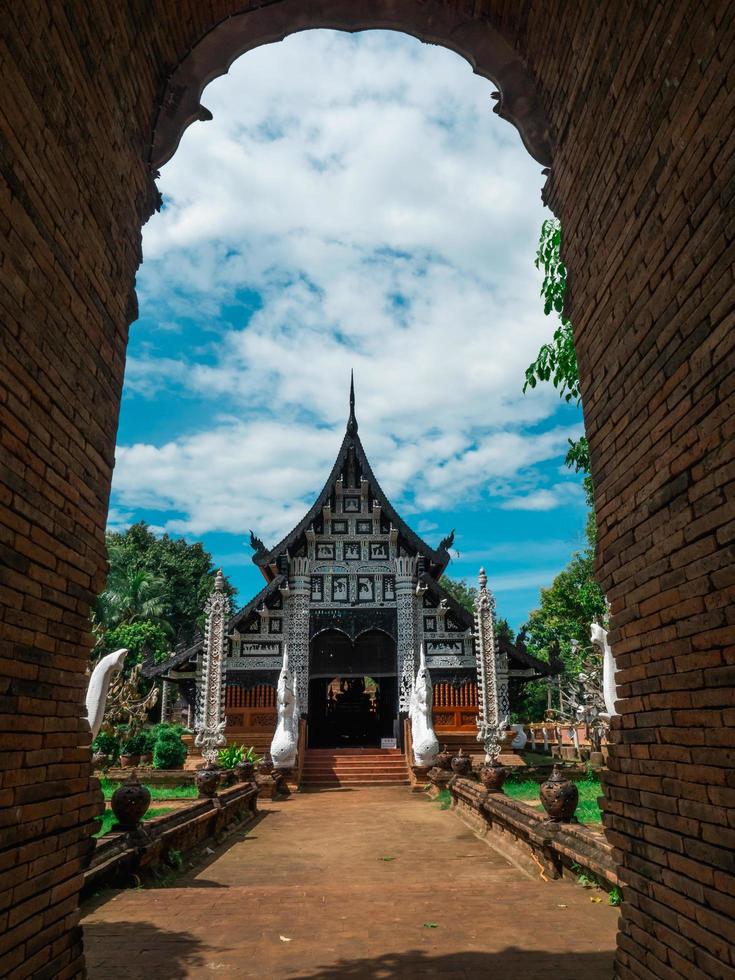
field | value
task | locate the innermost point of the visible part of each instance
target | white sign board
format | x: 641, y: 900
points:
x: 388, y: 743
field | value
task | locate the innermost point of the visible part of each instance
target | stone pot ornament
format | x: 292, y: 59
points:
x: 244, y: 771
x: 129, y: 761
x: 207, y: 780
x: 462, y: 764
x: 265, y: 766
x: 130, y: 802
x: 492, y: 776
x: 444, y: 760
x: 559, y: 797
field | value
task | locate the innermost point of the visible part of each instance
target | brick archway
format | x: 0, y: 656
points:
x: 476, y: 40
x: 638, y: 98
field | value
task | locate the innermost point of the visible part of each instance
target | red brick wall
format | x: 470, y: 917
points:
x: 639, y: 95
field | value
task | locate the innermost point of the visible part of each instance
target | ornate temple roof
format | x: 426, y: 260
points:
x: 187, y: 651
x: 352, y: 466
x: 519, y: 659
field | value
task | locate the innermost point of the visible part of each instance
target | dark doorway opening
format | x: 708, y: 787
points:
x: 351, y: 711
x: 353, y: 690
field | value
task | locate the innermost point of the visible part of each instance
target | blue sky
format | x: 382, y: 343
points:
x: 353, y: 204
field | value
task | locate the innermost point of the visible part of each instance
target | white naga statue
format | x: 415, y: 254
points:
x: 598, y: 635
x: 285, y: 742
x: 99, y: 684
x: 519, y: 742
x: 425, y: 744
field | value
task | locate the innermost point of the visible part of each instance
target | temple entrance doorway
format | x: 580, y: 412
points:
x: 353, y: 690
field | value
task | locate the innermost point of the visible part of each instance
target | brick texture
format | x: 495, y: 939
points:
x: 640, y: 98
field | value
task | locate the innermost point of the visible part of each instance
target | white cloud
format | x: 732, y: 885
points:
x: 546, y: 498
x: 361, y: 186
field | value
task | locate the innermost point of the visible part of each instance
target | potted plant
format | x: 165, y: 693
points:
x: 105, y: 749
x: 128, y: 758
x: 131, y: 749
x: 245, y: 768
x: 147, y: 742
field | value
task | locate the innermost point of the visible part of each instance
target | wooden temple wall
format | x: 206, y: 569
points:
x: 250, y: 710
x: 455, y: 707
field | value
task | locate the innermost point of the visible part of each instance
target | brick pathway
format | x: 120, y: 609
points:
x: 304, y: 893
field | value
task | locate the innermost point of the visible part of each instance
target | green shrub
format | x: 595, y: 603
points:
x: 108, y: 744
x: 166, y: 726
x: 169, y: 751
x: 134, y: 745
x: 148, y: 736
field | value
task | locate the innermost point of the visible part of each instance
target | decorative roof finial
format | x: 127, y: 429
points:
x: 219, y: 582
x: 446, y: 543
x: 256, y: 544
x: 352, y: 421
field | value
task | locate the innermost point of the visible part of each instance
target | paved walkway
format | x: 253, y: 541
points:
x: 306, y: 892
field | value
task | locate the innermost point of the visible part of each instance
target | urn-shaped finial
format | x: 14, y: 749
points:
x: 559, y: 796
x: 461, y: 763
x: 207, y: 780
x: 492, y: 776
x: 130, y: 802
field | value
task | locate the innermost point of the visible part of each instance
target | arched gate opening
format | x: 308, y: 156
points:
x: 644, y: 200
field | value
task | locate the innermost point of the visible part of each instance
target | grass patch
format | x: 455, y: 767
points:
x: 537, y: 759
x: 108, y: 818
x: 184, y: 792
x: 588, y: 810
x: 444, y: 799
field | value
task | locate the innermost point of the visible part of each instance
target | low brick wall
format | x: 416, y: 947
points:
x: 523, y: 833
x: 122, y: 859
x: 153, y: 777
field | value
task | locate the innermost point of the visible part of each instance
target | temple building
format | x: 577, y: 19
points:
x: 354, y: 593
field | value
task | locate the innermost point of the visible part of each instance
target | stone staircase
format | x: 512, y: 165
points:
x: 467, y: 741
x: 354, y: 767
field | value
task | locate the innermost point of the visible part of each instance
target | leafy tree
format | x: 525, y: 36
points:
x: 557, y: 362
x: 186, y: 570
x: 141, y: 638
x: 133, y: 595
x: 567, y: 607
x: 459, y: 590
x: 504, y: 632
x: 528, y: 700
x: 574, y: 598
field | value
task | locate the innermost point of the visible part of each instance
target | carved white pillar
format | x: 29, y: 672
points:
x: 210, y: 725
x: 490, y: 721
x: 297, y: 598
x: 406, y: 611
x: 165, y: 699
x: 501, y: 679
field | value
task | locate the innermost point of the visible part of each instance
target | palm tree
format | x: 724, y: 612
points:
x: 132, y: 594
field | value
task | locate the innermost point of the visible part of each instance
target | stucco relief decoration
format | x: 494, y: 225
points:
x: 210, y: 730
x: 297, y: 630
x: 490, y: 723
x: 405, y: 599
